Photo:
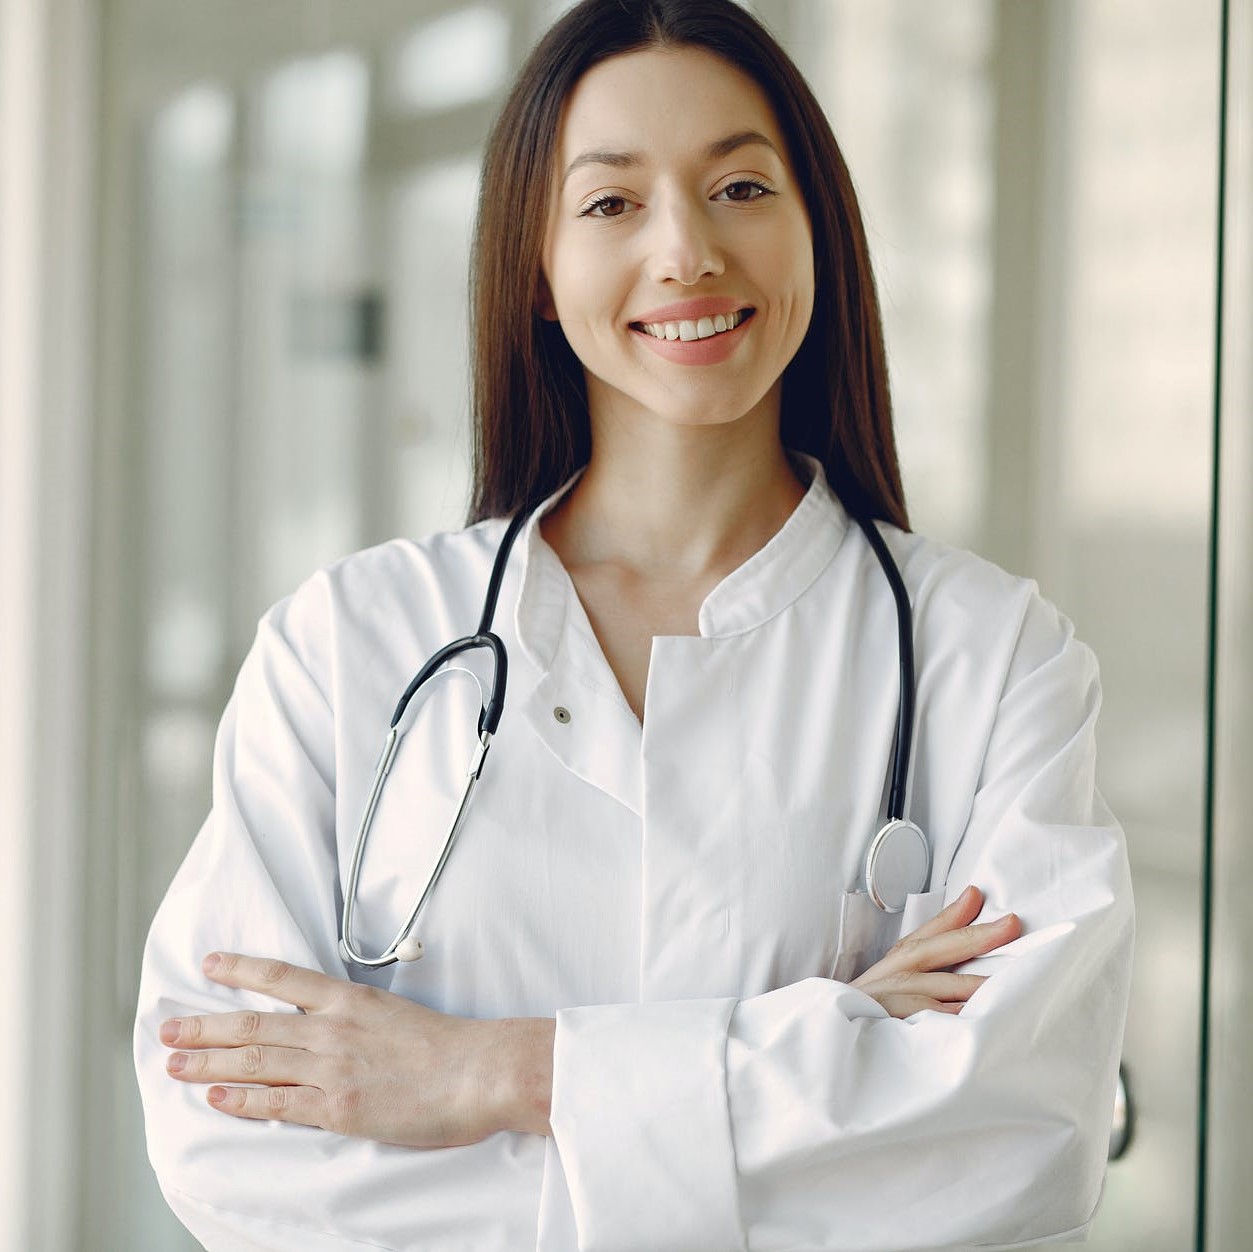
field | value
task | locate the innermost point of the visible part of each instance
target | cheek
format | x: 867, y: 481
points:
x: 567, y: 276
x: 805, y: 299
x: 560, y: 266
x: 801, y: 258
x: 783, y: 263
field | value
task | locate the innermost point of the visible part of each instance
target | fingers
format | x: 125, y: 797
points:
x: 234, y: 1030
x: 249, y: 1064
x: 909, y: 977
x: 903, y: 995
x: 304, y: 988
x: 951, y: 947
x: 293, y: 984
x: 903, y: 1006
x: 938, y: 987
x: 961, y: 912
x: 305, y: 1105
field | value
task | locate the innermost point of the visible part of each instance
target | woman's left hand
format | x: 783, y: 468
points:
x: 364, y: 1062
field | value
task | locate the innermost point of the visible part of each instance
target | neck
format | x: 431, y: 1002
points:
x: 675, y: 503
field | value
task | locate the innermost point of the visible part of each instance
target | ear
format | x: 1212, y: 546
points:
x: 544, y: 304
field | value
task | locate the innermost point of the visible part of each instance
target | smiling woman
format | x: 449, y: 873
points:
x: 690, y: 206
x: 663, y: 1000
x: 561, y: 135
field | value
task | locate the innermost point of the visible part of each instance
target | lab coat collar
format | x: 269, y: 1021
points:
x: 781, y: 571
x: 576, y: 705
x: 554, y: 633
x: 766, y: 584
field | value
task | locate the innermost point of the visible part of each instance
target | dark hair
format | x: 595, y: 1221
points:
x: 530, y: 419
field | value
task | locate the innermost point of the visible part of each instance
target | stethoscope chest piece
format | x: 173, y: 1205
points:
x: 897, y: 864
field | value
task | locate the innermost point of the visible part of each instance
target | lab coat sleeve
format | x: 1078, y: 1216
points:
x: 261, y: 878
x: 806, y: 1118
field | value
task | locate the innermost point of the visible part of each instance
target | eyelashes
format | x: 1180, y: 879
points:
x: 600, y: 206
x: 759, y: 187
x: 603, y: 203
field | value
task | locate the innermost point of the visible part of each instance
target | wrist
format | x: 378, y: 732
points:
x: 525, y: 1072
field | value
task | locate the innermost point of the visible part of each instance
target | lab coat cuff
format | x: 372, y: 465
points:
x: 640, y: 1119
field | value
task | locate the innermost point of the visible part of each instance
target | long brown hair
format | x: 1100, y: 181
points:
x: 530, y: 418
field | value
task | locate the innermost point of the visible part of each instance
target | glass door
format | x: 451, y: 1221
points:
x: 1228, y: 1123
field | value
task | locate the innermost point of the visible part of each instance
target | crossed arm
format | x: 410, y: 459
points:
x: 359, y: 1061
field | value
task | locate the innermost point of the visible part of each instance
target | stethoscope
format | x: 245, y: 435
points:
x: 898, y: 859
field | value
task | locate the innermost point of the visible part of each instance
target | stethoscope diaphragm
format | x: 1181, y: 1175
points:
x: 897, y: 864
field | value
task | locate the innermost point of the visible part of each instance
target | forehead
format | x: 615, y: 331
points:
x: 661, y: 102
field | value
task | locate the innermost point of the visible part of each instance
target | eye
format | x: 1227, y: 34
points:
x: 605, y: 206
x: 745, y: 190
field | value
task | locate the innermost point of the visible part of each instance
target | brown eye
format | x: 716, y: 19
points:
x: 606, y: 206
x: 746, y: 190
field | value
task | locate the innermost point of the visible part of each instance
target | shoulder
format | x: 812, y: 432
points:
x: 969, y: 610
x: 395, y: 595
x: 953, y: 580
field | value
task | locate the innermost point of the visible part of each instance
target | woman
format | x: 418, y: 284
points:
x: 625, y: 1033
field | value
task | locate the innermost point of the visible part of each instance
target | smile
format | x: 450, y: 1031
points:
x: 702, y: 328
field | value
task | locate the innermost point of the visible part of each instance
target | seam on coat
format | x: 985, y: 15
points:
x: 726, y: 1097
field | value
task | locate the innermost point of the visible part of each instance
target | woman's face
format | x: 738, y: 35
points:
x: 675, y: 212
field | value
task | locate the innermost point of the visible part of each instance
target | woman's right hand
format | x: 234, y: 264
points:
x: 914, y: 973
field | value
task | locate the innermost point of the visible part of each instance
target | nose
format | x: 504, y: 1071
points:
x: 683, y: 243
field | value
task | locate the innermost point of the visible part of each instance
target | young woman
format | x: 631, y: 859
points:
x: 660, y: 1006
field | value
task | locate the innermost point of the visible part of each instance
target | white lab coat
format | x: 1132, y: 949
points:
x: 678, y: 897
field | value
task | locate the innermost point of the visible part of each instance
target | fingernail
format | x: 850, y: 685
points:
x: 169, y: 1030
x: 177, y: 1063
x: 210, y: 963
x: 217, y: 1095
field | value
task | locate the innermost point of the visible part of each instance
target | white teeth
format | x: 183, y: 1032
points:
x: 702, y: 329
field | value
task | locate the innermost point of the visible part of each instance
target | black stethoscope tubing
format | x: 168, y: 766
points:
x: 483, y: 637
x: 406, y: 947
x: 905, y: 657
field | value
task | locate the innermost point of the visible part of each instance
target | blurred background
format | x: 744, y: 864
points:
x: 233, y: 252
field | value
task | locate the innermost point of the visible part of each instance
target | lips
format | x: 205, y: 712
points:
x: 706, y: 341
x: 692, y: 310
x: 690, y: 320
x: 703, y: 328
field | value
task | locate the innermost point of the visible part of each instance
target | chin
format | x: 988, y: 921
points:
x: 689, y: 407
x: 695, y: 416
x: 711, y: 411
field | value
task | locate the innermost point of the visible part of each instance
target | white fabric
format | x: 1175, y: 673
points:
x: 677, y: 896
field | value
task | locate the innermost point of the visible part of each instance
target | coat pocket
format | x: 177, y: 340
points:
x: 867, y: 932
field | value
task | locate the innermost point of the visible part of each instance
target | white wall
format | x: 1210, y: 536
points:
x: 47, y: 150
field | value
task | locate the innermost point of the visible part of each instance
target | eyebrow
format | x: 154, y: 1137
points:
x: 627, y: 160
